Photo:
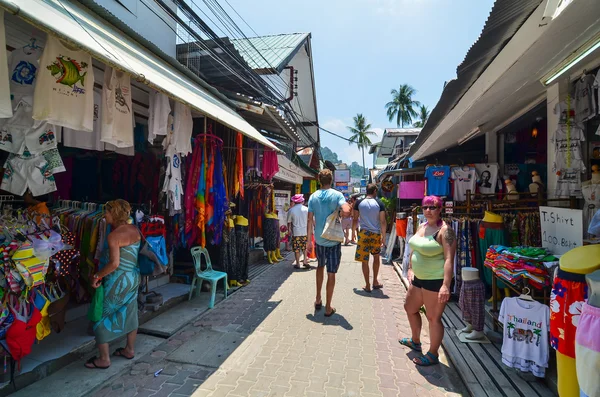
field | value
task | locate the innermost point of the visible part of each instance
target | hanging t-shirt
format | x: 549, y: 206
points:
x: 573, y: 148
x: 158, y: 119
x: 23, y: 69
x: 584, y: 101
x: 525, y: 339
x: 568, y: 183
x: 465, y: 178
x: 437, y: 180
x: 89, y: 140
x: 597, y: 86
x: 172, y: 185
x: 117, y: 111
x: 5, y: 104
x: 183, y: 125
x: 64, y: 93
x: 487, y: 176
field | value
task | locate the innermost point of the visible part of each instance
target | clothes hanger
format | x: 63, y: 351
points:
x: 525, y: 295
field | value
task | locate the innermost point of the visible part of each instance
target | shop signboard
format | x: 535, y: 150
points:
x: 342, y: 186
x: 363, y: 183
x: 282, y: 205
x: 363, y: 190
x: 562, y: 229
x: 288, y: 171
x: 341, y: 176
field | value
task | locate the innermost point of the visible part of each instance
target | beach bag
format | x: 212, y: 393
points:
x: 152, y: 258
x: 333, y: 228
x: 97, y: 305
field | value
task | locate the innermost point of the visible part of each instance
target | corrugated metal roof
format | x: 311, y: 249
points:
x: 401, y: 131
x: 505, y: 19
x: 270, y: 52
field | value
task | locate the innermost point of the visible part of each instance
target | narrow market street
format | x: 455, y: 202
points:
x: 265, y: 340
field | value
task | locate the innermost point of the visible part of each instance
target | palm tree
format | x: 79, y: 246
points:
x: 511, y: 326
x: 537, y: 332
x: 360, y: 135
x: 402, y: 107
x: 423, y: 115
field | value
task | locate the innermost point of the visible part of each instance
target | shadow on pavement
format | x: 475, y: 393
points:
x: 336, y: 320
x: 376, y: 293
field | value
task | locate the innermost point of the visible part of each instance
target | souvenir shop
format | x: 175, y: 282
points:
x: 76, y: 132
x: 537, y: 291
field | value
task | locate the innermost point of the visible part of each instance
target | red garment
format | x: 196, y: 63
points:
x: 566, y: 301
x: 21, y: 334
x: 270, y: 164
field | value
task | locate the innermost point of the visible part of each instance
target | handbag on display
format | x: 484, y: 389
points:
x: 333, y: 229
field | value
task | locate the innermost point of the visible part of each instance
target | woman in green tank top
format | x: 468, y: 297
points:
x: 430, y: 273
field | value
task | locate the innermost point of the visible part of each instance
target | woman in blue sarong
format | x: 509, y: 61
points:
x: 120, y: 276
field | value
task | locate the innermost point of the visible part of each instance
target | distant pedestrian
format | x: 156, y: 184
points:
x: 369, y: 213
x: 347, y: 226
x: 430, y: 273
x: 297, y: 219
x: 321, y: 204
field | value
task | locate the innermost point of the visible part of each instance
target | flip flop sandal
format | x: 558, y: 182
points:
x: 296, y: 267
x: 427, y: 360
x: 119, y: 353
x: 331, y: 313
x: 93, y: 362
x: 318, y: 306
x: 380, y: 286
x: 408, y: 342
x: 307, y: 265
x: 366, y: 289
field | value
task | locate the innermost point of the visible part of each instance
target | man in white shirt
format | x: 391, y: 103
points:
x: 297, y: 218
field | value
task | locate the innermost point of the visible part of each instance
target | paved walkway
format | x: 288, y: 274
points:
x: 266, y: 340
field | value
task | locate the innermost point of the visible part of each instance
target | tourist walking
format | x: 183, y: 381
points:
x: 119, y: 275
x: 321, y: 204
x: 430, y: 273
x: 369, y: 213
x: 297, y: 219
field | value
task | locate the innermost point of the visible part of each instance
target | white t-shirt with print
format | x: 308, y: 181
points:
x: 464, y: 179
x: 568, y: 183
x: 117, y: 113
x: 525, y: 335
x: 5, y: 103
x: 23, y: 70
x: 89, y: 140
x: 298, y: 217
x: 487, y: 176
x: 158, y: 119
x: 64, y: 88
x: 561, y: 147
x: 585, y: 103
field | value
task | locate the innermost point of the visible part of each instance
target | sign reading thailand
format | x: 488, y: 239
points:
x: 562, y: 229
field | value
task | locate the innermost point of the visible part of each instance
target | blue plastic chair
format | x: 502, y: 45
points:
x: 209, y: 275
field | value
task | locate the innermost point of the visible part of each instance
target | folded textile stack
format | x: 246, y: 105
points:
x: 514, y: 264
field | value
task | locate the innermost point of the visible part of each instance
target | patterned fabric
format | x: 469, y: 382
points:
x: 569, y: 293
x: 472, y: 303
x: 329, y: 257
x: 270, y: 233
x: 587, y: 348
x: 369, y: 243
x: 242, y: 253
x: 229, y: 258
x: 120, y: 314
x: 299, y: 243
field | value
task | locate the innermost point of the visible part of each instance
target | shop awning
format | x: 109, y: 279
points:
x: 79, y: 26
x: 290, y: 172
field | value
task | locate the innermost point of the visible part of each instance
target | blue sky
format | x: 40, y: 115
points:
x: 364, y: 48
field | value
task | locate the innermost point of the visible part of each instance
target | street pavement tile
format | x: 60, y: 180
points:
x: 300, y: 352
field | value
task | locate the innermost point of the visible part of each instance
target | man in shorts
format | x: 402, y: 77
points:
x: 369, y: 211
x: 297, y: 219
x: 321, y: 204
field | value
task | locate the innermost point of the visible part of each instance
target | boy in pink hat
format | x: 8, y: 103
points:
x: 297, y: 219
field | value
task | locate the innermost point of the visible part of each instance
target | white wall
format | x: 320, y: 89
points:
x: 143, y: 21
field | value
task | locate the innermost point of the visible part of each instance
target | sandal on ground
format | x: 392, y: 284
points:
x: 92, y: 361
x: 408, y: 342
x: 119, y: 353
x: 296, y: 266
x: 318, y: 306
x: 307, y: 266
x: 330, y: 313
x: 378, y: 286
x: 427, y: 360
x: 367, y: 289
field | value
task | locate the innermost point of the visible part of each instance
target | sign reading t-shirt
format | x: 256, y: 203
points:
x: 437, y: 180
x: 562, y: 229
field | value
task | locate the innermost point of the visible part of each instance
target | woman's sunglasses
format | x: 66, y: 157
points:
x: 429, y: 207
